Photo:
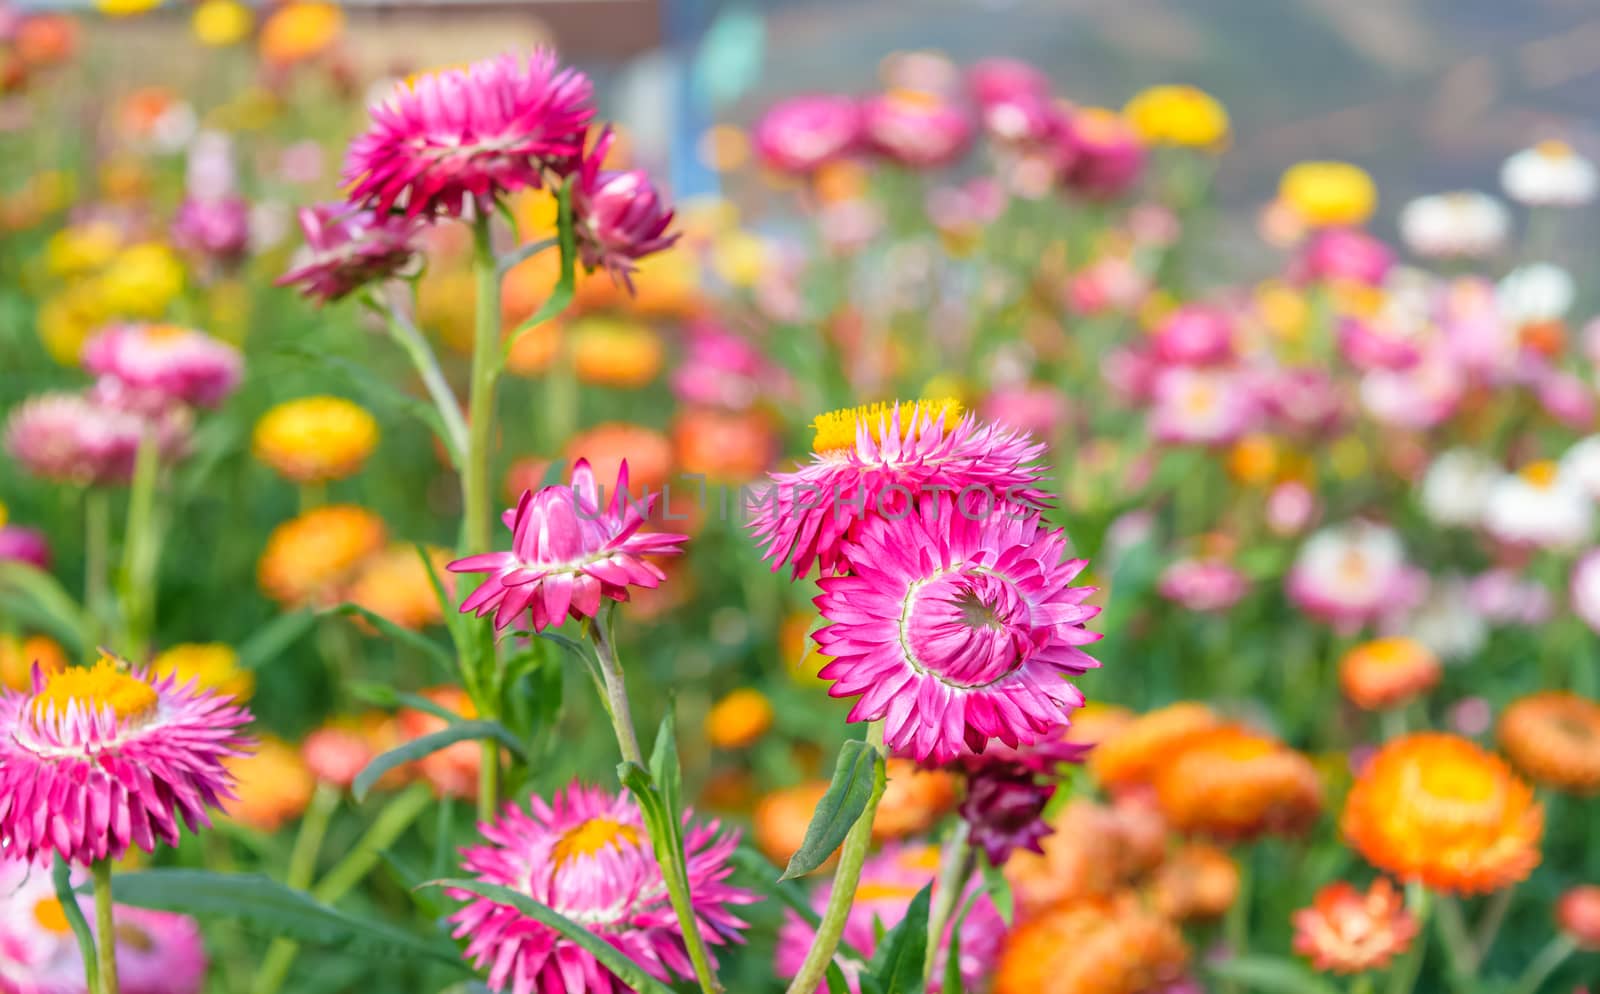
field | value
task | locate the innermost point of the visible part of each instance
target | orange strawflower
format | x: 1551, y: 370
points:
x: 1197, y: 882
x: 647, y: 451
x: 615, y: 352
x: 1094, y: 851
x: 913, y: 800
x: 300, y: 30
x: 1092, y: 947
x: 1554, y: 738
x: 739, y: 719
x: 1232, y: 783
x: 336, y: 755
x: 395, y: 585
x: 1439, y: 809
x: 1131, y: 755
x: 453, y: 770
x: 1388, y: 673
x: 17, y: 657
x: 1346, y: 931
x: 274, y: 786
x: 724, y: 445
x: 315, y: 439
x: 781, y: 818
x: 308, y: 558
x: 1578, y: 915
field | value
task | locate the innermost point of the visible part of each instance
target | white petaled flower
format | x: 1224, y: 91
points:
x: 1550, y: 174
x: 1455, y: 489
x: 1581, y: 465
x: 1446, y: 621
x: 1461, y: 225
x: 1539, y: 291
x: 1539, y: 506
x: 1352, y: 574
x: 1584, y: 588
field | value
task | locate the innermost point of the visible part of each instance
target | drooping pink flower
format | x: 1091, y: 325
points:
x: 83, y: 440
x: 587, y: 856
x: 1205, y: 585
x: 1345, y: 255
x: 567, y: 553
x: 919, y: 130
x: 1354, y: 574
x: 213, y: 229
x: 803, y: 133
x: 889, y: 881
x: 24, y: 545
x: 348, y: 247
x: 1210, y: 406
x: 1007, y: 791
x: 871, y: 461
x: 157, y: 952
x: 95, y: 760
x: 1194, y: 335
x: 1101, y: 155
x: 619, y: 216
x: 495, y: 127
x: 956, y: 628
x: 174, y: 364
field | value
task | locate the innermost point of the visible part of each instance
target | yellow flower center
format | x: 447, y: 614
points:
x: 1541, y: 474
x: 95, y: 687
x: 921, y: 858
x: 1456, y: 780
x: 1554, y: 148
x: 593, y: 836
x: 163, y: 332
x: 50, y: 916
x: 916, y: 99
x: 837, y: 430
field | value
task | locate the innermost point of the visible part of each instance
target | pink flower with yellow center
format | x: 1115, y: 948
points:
x: 804, y: 133
x: 97, y: 759
x: 1208, y: 406
x: 567, y: 553
x: 166, y: 363
x: 478, y: 133
x: 1102, y: 156
x: 872, y: 461
x: 1352, y: 574
x: 916, y: 129
x: 587, y: 856
x: 957, y: 629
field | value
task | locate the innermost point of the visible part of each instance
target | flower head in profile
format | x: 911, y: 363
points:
x: 1550, y: 174
x: 957, y: 629
x: 1463, y: 224
x: 889, y: 880
x: 804, y: 133
x: 309, y: 559
x: 1178, y: 115
x: 492, y: 128
x: 1206, y: 585
x: 567, y: 553
x: 619, y: 215
x: 1554, y: 737
x: 1232, y: 783
x: 216, y: 229
x: 169, y: 363
x: 1352, y: 574
x: 1348, y: 931
x: 1329, y: 194
x: 1008, y: 790
x: 157, y: 952
x: 347, y: 248
x: 1388, y: 673
x: 95, y: 760
x: 587, y: 856
x: 21, y: 544
x: 871, y: 461
x: 917, y: 129
x: 1095, y: 946
x: 1439, y: 809
x: 87, y: 438
x: 1102, y: 156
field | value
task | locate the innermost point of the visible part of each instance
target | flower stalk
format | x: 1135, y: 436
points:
x: 105, y: 929
x: 140, y: 550
x: 955, y: 866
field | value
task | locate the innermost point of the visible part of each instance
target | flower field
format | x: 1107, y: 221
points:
x: 437, y: 556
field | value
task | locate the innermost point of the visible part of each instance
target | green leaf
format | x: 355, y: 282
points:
x: 414, y: 750
x: 952, y: 959
x: 835, y: 978
x: 757, y: 871
x: 607, y: 954
x: 61, y: 876
x: 27, y: 590
x: 998, y: 888
x: 665, y: 769
x: 415, y: 639
x: 256, y: 900
x: 384, y: 696
x: 566, y: 286
x: 896, y: 968
x: 272, y: 638
x: 1270, y: 975
x: 858, y: 773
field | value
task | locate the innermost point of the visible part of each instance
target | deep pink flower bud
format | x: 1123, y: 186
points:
x: 1101, y: 156
x: 1345, y: 254
x: 619, y: 215
x: 1194, y: 335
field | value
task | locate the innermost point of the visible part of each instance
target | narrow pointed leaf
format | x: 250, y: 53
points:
x: 415, y: 639
x: 272, y: 639
x: 896, y: 968
x: 428, y: 745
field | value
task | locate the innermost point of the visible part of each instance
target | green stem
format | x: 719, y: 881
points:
x: 105, y: 930
x: 411, y: 341
x: 845, y: 879
x: 1457, y: 942
x: 1362, y: 984
x: 302, y: 866
x: 488, y: 779
x: 97, y: 562
x: 616, y: 691
x: 954, y: 868
x: 1547, y: 962
x: 1392, y: 723
x: 1489, y: 925
x: 560, y: 397
x: 140, y: 551
x: 1403, y: 975
x: 1236, y: 926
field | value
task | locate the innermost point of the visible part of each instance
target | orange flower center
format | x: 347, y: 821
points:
x: 163, y: 332
x: 874, y: 891
x: 1541, y: 474
x: 96, y: 687
x: 1450, y: 778
x: 837, y: 430
x: 591, y: 837
x: 51, y: 916
x: 1554, y: 148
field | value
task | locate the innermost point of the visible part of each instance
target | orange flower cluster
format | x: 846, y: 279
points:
x: 1094, y: 946
x: 1554, y: 738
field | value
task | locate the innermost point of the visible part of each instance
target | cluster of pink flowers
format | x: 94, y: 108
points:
x: 931, y: 118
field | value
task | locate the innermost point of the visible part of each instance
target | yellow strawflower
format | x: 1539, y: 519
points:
x: 213, y: 665
x: 1329, y: 194
x: 315, y: 439
x: 141, y: 280
x: 1178, y: 115
x: 222, y: 22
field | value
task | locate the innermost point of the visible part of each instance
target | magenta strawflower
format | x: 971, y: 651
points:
x: 618, y: 215
x: 157, y: 952
x: 870, y: 461
x: 567, y: 553
x: 1100, y: 154
x: 215, y: 229
x: 495, y: 127
x: 166, y: 363
x: 1007, y: 791
x: 94, y: 760
x: 24, y: 545
x: 587, y: 856
x: 919, y: 130
x: 87, y: 439
x: 348, y: 247
x: 804, y: 133
x: 889, y: 880
x: 957, y: 629
x: 1205, y: 585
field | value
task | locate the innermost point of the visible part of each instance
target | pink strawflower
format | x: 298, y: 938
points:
x: 215, y: 229
x: 1194, y: 335
x: 94, y: 760
x: 83, y: 439
x: 1567, y: 398
x: 497, y: 126
x: 166, y: 362
x: 24, y: 545
x: 1584, y: 588
x: 726, y: 370
x: 1503, y: 597
x: 567, y: 553
x: 1205, y: 585
x: 804, y: 133
x: 1210, y: 406
x: 1291, y: 507
x: 618, y: 215
x: 1007, y: 791
x: 1345, y: 255
x: 1370, y: 345
x: 1303, y: 399
x: 1424, y: 396
x: 870, y: 461
x: 956, y: 629
x: 918, y: 130
x: 1036, y: 408
x: 1354, y: 574
x: 999, y: 79
x: 348, y: 247
x: 889, y: 880
x: 587, y: 856
x: 1022, y: 121
x: 1101, y: 155
x: 157, y: 952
